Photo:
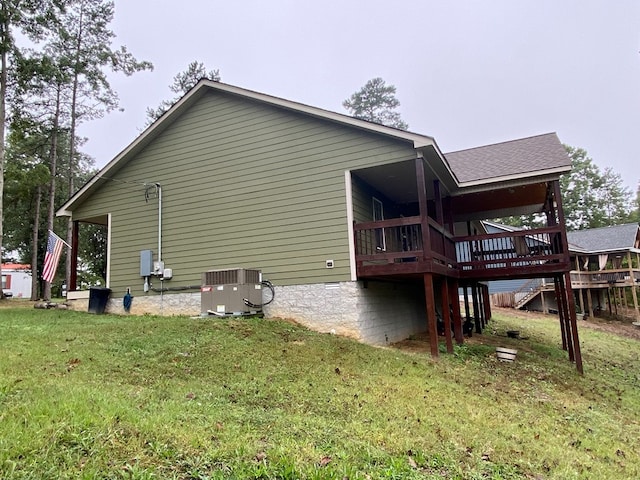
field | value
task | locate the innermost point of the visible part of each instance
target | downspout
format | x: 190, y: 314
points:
x: 159, y: 190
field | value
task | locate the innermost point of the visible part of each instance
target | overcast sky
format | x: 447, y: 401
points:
x: 467, y: 72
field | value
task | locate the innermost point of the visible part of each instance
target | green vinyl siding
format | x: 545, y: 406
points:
x: 363, y: 195
x: 244, y: 184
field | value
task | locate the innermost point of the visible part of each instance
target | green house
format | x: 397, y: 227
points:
x: 361, y: 229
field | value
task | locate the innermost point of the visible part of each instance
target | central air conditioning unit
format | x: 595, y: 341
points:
x: 231, y: 292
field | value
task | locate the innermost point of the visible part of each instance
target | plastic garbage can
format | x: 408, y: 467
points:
x: 98, y: 297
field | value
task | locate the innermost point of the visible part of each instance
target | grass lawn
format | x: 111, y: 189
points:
x: 86, y: 396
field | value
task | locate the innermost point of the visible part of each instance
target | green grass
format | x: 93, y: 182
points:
x: 85, y: 396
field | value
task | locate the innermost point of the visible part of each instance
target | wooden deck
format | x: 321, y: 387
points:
x: 623, y: 277
x: 395, y: 248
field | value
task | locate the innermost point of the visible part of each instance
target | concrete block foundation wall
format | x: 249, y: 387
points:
x: 376, y: 313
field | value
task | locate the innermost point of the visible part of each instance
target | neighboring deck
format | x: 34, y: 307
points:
x: 622, y: 277
x: 395, y: 248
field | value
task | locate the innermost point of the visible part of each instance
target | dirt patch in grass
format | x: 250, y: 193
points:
x: 419, y: 343
x: 616, y: 327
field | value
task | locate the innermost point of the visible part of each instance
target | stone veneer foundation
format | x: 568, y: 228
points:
x: 377, y: 313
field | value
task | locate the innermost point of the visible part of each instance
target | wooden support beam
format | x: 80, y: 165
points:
x: 439, y: 210
x: 590, y: 304
x: 424, y: 211
x: 563, y: 330
x: 566, y: 317
x: 476, y: 308
x: 432, y: 323
x: 446, y: 313
x: 557, y: 194
x: 457, y: 317
x: 633, y: 287
x: 487, y: 302
x: 483, y: 312
x: 575, y: 339
x: 467, y: 310
x: 72, y: 281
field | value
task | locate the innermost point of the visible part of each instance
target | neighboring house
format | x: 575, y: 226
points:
x: 606, y: 262
x: 16, y: 280
x: 362, y: 229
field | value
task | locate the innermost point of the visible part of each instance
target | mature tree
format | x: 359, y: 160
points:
x: 636, y: 216
x: 591, y: 198
x: 376, y: 102
x: 26, y: 179
x: 182, y: 83
x: 83, y: 52
x: 34, y: 19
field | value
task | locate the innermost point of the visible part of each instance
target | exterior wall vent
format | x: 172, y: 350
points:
x: 231, y: 292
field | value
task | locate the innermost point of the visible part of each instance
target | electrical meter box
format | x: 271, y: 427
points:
x: 231, y: 292
x: 146, y: 263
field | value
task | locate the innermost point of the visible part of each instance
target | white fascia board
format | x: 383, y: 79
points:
x: 490, y: 183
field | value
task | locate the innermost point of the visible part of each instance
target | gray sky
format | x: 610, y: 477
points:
x: 467, y: 72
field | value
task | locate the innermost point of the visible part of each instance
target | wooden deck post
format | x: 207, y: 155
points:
x: 633, y: 287
x: 446, y: 313
x: 559, y: 303
x: 566, y: 317
x: 580, y: 289
x: 483, y: 317
x: 575, y: 340
x: 487, y: 303
x: 467, y: 310
x: 476, y: 308
x: 590, y: 304
x: 432, y: 323
x: 439, y: 210
x: 457, y: 317
x: 424, y: 212
x: 72, y: 281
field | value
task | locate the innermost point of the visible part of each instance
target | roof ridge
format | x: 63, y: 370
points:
x: 500, y: 143
x: 604, y: 227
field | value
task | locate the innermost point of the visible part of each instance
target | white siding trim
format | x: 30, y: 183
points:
x: 352, y: 248
x: 108, y: 279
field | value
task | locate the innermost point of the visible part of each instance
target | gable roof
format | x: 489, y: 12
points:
x: 204, y: 86
x: 606, y: 239
x: 513, y: 159
x: 530, y: 157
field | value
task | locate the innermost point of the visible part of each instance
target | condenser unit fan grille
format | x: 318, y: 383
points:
x: 237, y: 276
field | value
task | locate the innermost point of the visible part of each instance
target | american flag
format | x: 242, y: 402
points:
x: 52, y: 257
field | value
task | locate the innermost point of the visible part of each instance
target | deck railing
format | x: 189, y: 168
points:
x: 603, y: 278
x: 400, y: 240
x: 510, y: 249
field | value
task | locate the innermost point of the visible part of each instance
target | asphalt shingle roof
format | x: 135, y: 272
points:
x: 516, y: 157
x: 616, y: 237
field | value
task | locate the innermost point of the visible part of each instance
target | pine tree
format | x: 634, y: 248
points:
x: 376, y: 102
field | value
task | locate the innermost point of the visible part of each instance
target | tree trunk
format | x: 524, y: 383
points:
x: 34, y: 246
x: 3, y: 93
x: 72, y: 145
x: 53, y: 160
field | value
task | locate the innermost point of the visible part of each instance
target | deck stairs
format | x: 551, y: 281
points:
x: 528, y: 292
